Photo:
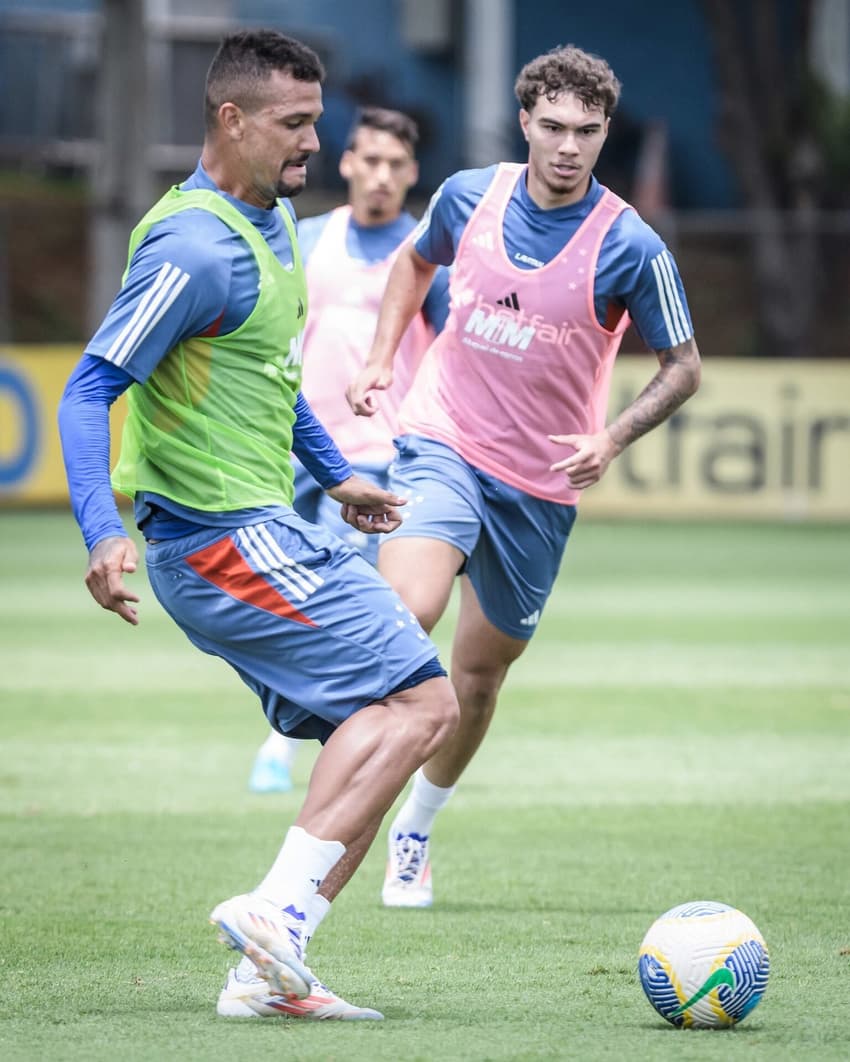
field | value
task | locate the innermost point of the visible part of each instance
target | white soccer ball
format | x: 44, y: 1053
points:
x: 703, y: 965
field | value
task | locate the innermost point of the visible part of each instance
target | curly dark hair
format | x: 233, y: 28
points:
x: 246, y: 60
x: 568, y: 69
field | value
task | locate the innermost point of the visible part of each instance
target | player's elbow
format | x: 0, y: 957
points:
x: 694, y: 373
x: 688, y: 368
x: 692, y: 379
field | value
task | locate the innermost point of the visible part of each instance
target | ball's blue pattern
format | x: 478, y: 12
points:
x: 699, y: 909
x: 750, y: 964
x: 658, y: 988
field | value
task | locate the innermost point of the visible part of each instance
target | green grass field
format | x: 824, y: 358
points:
x: 679, y: 729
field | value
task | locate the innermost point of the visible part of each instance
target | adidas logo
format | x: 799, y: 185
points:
x: 485, y: 240
x: 532, y: 620
x: 509, y: 300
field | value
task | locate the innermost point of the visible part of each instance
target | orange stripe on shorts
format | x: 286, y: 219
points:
x: 224, y: 566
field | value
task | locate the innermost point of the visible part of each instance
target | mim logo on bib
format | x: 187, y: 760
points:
x: 502, y: 331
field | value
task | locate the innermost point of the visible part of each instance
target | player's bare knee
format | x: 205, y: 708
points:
x: 428, y: 617
x: 433, y: 714
x: 426, y: 611
x: 477, y: 693
x: 447, y: 710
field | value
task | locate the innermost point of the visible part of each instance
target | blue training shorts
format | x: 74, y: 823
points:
x: 306, y: 622
x: 316, y: 506
x: 513, y: 542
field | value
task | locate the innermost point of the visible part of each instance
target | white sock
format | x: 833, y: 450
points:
x: 317, y: 907
x: 417, y: 813
x: 279, y: 748
x: 300, y: 867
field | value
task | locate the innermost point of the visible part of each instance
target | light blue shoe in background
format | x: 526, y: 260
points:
x: 269, y: 776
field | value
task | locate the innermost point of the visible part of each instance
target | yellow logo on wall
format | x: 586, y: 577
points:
x: 32, y: 380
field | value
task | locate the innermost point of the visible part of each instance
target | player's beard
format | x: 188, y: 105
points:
x: 287, y: 190
x: 378, y: 215
x: 381, y: 206
x: 563, y: 185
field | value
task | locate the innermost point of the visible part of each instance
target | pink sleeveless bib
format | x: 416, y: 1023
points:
x: 345, y: 295
x: 522, y: 355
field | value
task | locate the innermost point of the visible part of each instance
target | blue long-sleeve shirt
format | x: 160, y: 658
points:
x: 191, y: 276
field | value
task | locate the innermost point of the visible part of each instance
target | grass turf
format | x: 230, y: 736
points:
x: 679, y: 729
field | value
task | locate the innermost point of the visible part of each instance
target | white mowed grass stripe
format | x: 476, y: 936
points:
x: 167, y: 774
x: 753, y: 768
x: 547, y: 664
x: 570, y: 600
x: 607, y: 664
x: 698, y: 599
x: 157, y: 670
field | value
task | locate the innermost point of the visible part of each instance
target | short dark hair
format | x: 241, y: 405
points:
x: 400, y: 125
x: 568, y: 69
x: 246, y: 60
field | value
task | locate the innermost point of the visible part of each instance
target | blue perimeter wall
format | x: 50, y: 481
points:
x: 658, y: 49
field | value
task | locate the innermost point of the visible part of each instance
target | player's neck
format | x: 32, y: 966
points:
x: 227, y: 179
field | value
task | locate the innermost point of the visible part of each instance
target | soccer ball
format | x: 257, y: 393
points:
x: 703, y: 965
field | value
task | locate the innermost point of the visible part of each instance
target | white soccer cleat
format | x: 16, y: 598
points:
x: 259, y: 929
x: 248, y: 996
x: 408, y: 878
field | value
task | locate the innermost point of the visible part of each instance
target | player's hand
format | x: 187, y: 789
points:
x: 591, y: 456
x: 359, y: 392
x: 108, y: 561
x: 367, y: 506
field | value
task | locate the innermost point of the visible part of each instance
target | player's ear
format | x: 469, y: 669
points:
x: 230, y: 120
x: 345, y: 165
x: 524, y: 119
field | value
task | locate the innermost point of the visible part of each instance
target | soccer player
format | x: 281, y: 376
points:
x: 505, y: 424
x: 348, y: 254
x: 205, y: 336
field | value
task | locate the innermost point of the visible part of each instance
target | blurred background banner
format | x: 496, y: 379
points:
x: 731, y: 139
x: 32, y: 379
x: 761, y: 439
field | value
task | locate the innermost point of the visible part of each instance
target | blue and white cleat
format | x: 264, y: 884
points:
x: 259, y: 929
x: 408, y: 878
x: 247, y: 996
x: 269, y: 776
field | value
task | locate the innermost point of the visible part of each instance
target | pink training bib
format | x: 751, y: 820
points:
x: 522, y: 355
x: 345, y: 295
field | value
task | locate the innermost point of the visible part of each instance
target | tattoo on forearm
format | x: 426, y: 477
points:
x: 675, y: 381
